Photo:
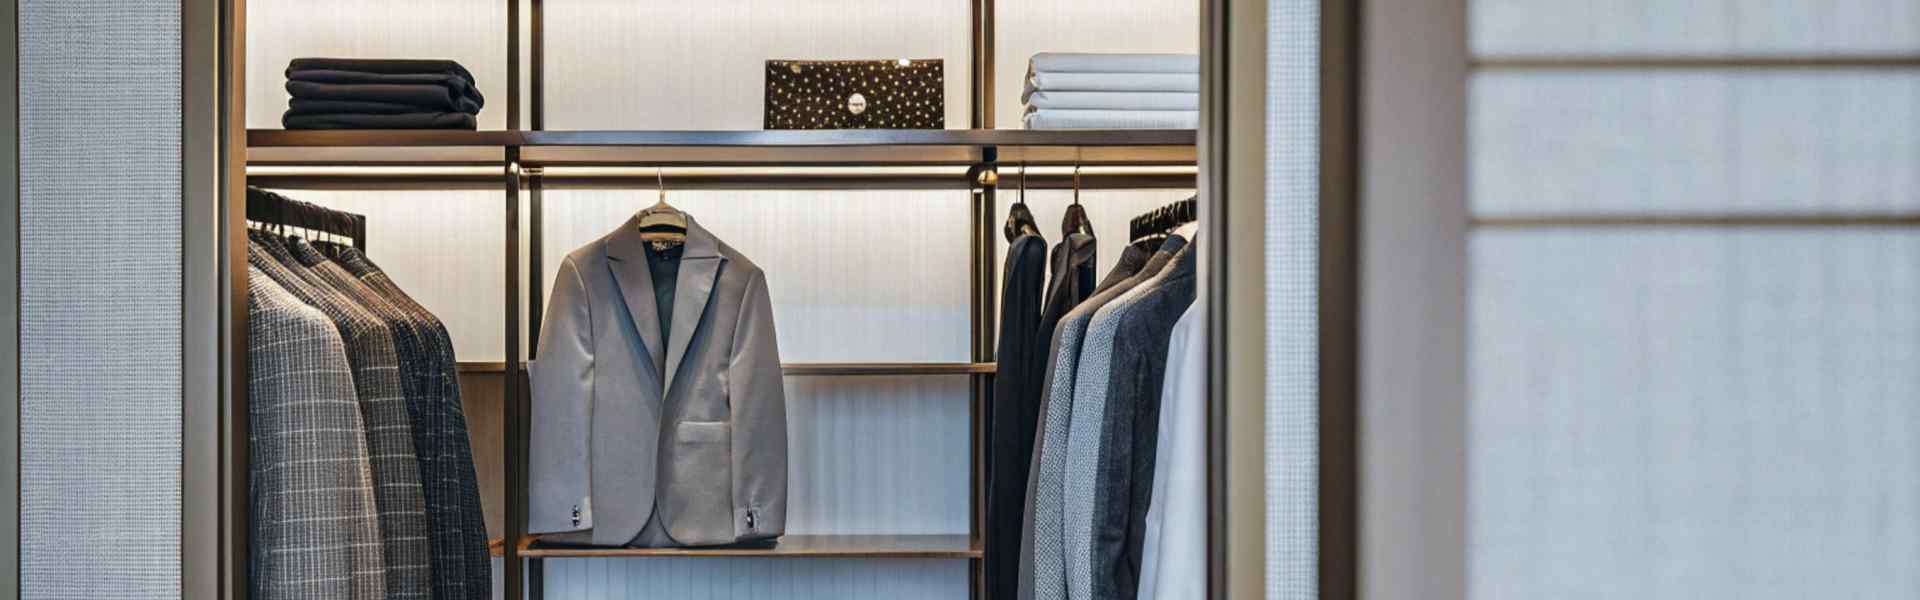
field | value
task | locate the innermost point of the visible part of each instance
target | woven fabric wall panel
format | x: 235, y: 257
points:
x: 100, y: 299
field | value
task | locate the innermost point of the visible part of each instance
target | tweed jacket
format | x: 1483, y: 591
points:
x: 1043, y: 575
x: 1112, y: 470
x: 315, y: 533
x: 1016, y: 403
x: 698, y: 444
x: 457, y: 527
x: 1090, y: 369
x: 383, y: 408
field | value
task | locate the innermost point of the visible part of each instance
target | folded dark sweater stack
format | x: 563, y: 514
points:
x: 353, y: 93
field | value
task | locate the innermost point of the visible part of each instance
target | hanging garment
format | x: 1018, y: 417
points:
x: 1043, y: 572
x: 1084, y: 425
x: 1072, y: 267
x: 1173, y: 556
x: 462, y: 529
x: 1016, y: 403
x: 447, y: 575
x: 1117, y: 395
x: 397, y: 495
x: 315, y: 532
x: 697, y: 446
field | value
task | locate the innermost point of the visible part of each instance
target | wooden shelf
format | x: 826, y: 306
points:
x: 823, y: 369
x: 792, y: 546
x: 877, y: 147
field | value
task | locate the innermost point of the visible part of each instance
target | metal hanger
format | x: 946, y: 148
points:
x: 662, y: 223
x: 1020, y: 219
x: 1076, y: 219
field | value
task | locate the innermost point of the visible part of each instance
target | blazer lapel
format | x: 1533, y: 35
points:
x: 627, y: 258
x: 699, y: 265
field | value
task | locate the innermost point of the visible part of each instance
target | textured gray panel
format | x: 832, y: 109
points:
x: 1693, y: 141
x: 1293, y: 299
x: 1700, y: 27
x: 1694, y: 414
x: 100, y: 299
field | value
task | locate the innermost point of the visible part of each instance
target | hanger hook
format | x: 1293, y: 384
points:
x: 1023, y: 182
x: 1076, y: 184
x: 660, y: 181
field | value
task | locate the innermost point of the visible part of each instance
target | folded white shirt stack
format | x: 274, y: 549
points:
x: 1112, y: 91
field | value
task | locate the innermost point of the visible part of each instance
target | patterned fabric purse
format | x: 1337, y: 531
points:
x: 856, y: 94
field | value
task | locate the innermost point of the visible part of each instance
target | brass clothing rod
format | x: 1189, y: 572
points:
x: 708, y: 178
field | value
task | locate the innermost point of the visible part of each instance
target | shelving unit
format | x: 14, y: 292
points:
x: 522, y: 163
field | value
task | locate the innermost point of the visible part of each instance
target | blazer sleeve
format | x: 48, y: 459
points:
x: 560, y: 466
x: 756, y: 392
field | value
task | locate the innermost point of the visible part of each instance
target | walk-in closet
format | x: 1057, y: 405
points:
x: 882, y: 252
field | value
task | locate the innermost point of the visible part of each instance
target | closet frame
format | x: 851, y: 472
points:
x: 523, y: 163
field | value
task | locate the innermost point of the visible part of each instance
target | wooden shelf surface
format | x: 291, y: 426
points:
x: 752, y: 147
x: 824, y: 369
x: 792, y: 546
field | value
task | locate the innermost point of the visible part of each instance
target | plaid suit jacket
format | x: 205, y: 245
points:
x: 459, y: 523
x: 383, y: 407
x: 315, y: 533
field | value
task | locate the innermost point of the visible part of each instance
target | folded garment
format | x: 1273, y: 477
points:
x: 302, y: 106
x: 1112, y: 119
x: 1111, y: 82
x: 1078, y: 62
x: 438, y: 120
x: 456, y: 83
x: 1114, y: 100
x: 427, y: 98
x: 390, y: 66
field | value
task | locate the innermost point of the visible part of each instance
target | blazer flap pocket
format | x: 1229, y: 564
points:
x: 695, y: 432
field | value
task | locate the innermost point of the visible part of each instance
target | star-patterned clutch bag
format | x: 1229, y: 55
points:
x: 856, y: 94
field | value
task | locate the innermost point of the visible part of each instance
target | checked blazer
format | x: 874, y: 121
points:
x: 383, y: 408
x: 314, y: 529
x: 465, y: 523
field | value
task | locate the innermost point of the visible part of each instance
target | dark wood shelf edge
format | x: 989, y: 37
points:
x: 956, y: 546
x: 822, y: 369
x: 283, y: 138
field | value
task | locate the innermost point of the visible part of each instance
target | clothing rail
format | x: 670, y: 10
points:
x: 714, y: 178
x: 274, y: 209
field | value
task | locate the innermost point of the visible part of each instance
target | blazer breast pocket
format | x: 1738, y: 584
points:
x: 703, y: 481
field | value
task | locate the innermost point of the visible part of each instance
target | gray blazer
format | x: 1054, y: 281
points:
x: 616, y: 442
x: 315, y: 533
